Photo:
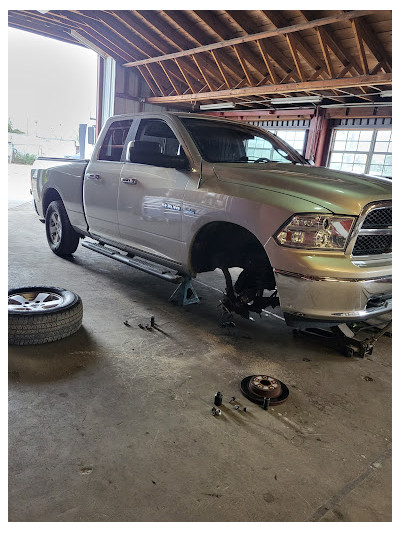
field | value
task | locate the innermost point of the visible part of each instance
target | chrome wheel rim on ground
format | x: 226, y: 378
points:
x: 55, y: 228
x: 34, y: 301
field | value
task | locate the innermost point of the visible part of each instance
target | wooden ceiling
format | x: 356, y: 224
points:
x: 249, y: 58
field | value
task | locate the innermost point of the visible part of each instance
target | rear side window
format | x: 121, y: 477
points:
x: 113, y: 143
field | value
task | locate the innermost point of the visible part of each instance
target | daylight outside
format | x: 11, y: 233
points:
x: 51, y: 104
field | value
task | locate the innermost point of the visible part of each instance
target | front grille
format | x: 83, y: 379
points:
x: 379, y: 218
x: 374, y: 236
x: 373, y: 245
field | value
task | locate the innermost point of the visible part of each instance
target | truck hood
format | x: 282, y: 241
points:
x: 339, y: 192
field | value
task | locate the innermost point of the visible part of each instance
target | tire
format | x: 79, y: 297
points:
x: 37, y: 315
x: 62, y: 238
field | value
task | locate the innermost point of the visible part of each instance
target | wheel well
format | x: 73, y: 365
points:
x: 223, y: 244
x: 50, y: 196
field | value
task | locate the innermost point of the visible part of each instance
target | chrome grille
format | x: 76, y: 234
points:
x: 373, y: 245
x: 375, y: 233
x: 379, y: 218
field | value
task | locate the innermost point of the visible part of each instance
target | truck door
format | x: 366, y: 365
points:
x: 101, y: 182
x: 151, y: 194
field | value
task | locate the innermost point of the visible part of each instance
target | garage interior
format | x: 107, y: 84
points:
x: 114, y: 423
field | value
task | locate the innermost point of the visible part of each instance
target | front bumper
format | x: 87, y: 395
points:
x: 332, y: 300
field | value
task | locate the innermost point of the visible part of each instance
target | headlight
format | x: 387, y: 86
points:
x: 315, y: 231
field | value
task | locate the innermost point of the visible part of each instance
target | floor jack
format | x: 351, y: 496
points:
x: 347, y: 338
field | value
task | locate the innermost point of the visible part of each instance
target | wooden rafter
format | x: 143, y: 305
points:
x: 341, y: 54
x: 293, y: 51
x: 155, y: 79
x: 268, y: 64
x: 193, y: 34
x: 325, y: 51
x: 375, y: 47
x: 242, y: 61
x: 220, y: 67
x: 244, y: 24
x: 148, y: 80
x: 296, y: 42
x: 358, y: 81
x: 149, y: 32
x: 360, y: 45
x: 169, y: 78
x: 254, y: 37
x: 202, y: 72
x: 163, y: 29
x: 189, y: 83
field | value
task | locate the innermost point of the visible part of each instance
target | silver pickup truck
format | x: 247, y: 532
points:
x: 195, y: 193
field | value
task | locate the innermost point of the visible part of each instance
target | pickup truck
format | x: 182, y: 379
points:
x: 194, y: 193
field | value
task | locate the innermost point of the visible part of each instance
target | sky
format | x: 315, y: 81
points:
x: 51, y: 85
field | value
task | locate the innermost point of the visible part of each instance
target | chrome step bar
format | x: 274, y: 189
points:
x: 139, y: 264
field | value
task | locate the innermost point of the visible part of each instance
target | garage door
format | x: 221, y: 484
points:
x: 365, y: 150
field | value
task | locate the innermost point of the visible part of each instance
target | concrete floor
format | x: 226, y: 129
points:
x: 114, y: 423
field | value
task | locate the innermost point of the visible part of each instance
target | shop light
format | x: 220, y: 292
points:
x: 221, y: 105
x: 297, y: 100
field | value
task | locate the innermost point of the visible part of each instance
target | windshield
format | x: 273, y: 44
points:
x: 220, y: 142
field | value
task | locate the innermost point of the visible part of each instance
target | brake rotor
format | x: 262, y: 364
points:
x: 256, y: 388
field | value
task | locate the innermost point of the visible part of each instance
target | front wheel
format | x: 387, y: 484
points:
x: 62, y: 238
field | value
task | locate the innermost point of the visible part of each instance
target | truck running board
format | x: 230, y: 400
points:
x: 140, y: 264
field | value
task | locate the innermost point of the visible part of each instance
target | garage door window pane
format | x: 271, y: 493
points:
x: 362, y: 151
x: 336, y: 157
x: 366, y: 135
x: 378, y: 159
x: 295, y: 138
x: 383, y: 135
x: 381, y: 147
x: 361, y: 159
x: 363, y: 146
x: 348, y: 158
x: 339, y: 145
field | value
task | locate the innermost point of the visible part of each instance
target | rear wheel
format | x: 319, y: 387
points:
x: 62, y: 238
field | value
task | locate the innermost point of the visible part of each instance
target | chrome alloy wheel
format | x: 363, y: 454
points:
x: 55, y: 228
x: 34, y: 301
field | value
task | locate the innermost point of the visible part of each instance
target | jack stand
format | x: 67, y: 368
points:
x: 344, y: 338
x: 185, y: 293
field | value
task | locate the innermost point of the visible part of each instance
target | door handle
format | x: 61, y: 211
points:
x: 129, y: 181
x: 93, y: 177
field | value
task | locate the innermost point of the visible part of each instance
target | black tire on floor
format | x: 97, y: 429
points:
x: 61, y: 236
x: 37, y: 315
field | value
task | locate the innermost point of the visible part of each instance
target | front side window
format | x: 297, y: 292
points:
x: 113, y: 143
x: 156, y: 144
x: 220, y: 142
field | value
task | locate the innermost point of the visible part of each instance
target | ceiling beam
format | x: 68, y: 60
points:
x: 358, y: 81
x: 255, y: 37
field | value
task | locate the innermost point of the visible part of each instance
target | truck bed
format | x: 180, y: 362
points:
x: 64, y: 176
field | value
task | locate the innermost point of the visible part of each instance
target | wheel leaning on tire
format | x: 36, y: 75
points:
x: 37, y: 315
x: 61, y: 236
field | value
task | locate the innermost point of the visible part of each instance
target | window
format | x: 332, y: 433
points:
x: 362, y: 151
x: 157, y: 131
x: 294, y: 137
x: 113, y: 143
x: 220, y: 142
